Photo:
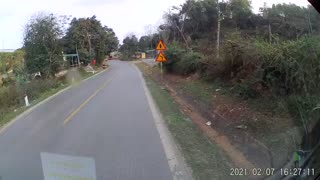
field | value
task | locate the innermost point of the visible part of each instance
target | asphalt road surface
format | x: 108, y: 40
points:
x: 106, y: 118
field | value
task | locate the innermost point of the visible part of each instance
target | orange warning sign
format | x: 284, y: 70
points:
x: 161, y: 46
x: 161, y: 58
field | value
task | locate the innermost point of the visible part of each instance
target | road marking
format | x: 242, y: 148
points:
x: 86, y: 102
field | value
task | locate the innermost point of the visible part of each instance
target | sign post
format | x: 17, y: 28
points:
x: 161, y: 58
x: 161, y: 72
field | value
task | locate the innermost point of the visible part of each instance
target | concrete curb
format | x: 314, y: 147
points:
x: 28, y: 111
x: 176, y: 161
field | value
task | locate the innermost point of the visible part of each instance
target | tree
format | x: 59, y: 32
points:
x: 314, y: 19
x: 144, y: 43
x: 111, y: 40
x: 129, y: 46
x: 192, y: 20
x: 90, y: 38
x: 41, y: 44
x: 241, y: 13
x: 288, y: 21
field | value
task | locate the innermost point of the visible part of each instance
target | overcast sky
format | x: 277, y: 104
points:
x: 124, y: 16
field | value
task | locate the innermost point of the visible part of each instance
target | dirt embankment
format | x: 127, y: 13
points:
x: 250, y: 139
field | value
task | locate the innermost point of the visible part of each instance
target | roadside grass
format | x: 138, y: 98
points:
x: 14, y: 112
x: 200, y: 90
x: 273, y: 127
x: 206, y: 159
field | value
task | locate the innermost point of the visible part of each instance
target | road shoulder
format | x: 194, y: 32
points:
x: 177, y: 164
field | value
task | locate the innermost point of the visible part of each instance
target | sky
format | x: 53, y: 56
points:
x: 123, y: 16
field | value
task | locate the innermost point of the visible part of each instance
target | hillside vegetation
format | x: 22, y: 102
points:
x: 272, y: 55
x: 39, y: 68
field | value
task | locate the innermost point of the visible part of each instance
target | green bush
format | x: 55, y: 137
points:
x: 284, y: 67
x: 292, y: 65
x: 246, y: 89
x: 239, y: 57
x: 238, y: 60
x: 34, y: 88
x: 9, y: 97
x: 301, y: 107
x: 174, y: 55
x: 190, y: 63
x: 12, y: 96
x: 181, y: 61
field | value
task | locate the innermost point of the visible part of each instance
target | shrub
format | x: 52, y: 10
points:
x: 9, y: 97
x: 292, y: 65
x: 174, y: 55
x: 34, y: 88
x: 12, y: 96
x: 239, y: 57
x: 190, y: 63
x: 285, y: 67
x: 247, y: 89
x: 238, y: 60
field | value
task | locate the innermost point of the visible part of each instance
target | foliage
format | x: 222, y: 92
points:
x: 90, y: 38
x: 34, y: 88
x: 173, y: 54
x: 239, y: 57
x: 9, y: 97
x: 189, y: 64
x: 182, y: 62
x: 11, y: 61
x: 129, y: 46
x: 292, y: 65
x: 43, y: 53
x: 289, y: 21
x: 192, y: 19
x: 239, y: 13
x: 269, y: 54
x: 12, y: 96
x: 145, y: 43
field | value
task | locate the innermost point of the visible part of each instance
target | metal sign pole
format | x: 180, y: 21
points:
x: 161, y: 72
x: 161, y: 58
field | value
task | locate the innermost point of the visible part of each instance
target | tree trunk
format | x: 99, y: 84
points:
x: 218, y: 37
x: 270, y: 34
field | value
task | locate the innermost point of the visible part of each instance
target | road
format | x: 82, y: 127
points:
x: 106, y: 118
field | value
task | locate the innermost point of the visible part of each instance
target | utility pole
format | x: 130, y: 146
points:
x: 89, y: 42
x: 218, y: 37
x: 270, y: 33
x: 309, y: 22
x: 218, y: 32
x: 78, y: 55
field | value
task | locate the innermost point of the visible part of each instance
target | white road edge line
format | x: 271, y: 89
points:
x: 178, y: 166
x: 28, y: 111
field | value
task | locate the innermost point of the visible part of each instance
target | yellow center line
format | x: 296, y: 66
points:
x: 86, y: 102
